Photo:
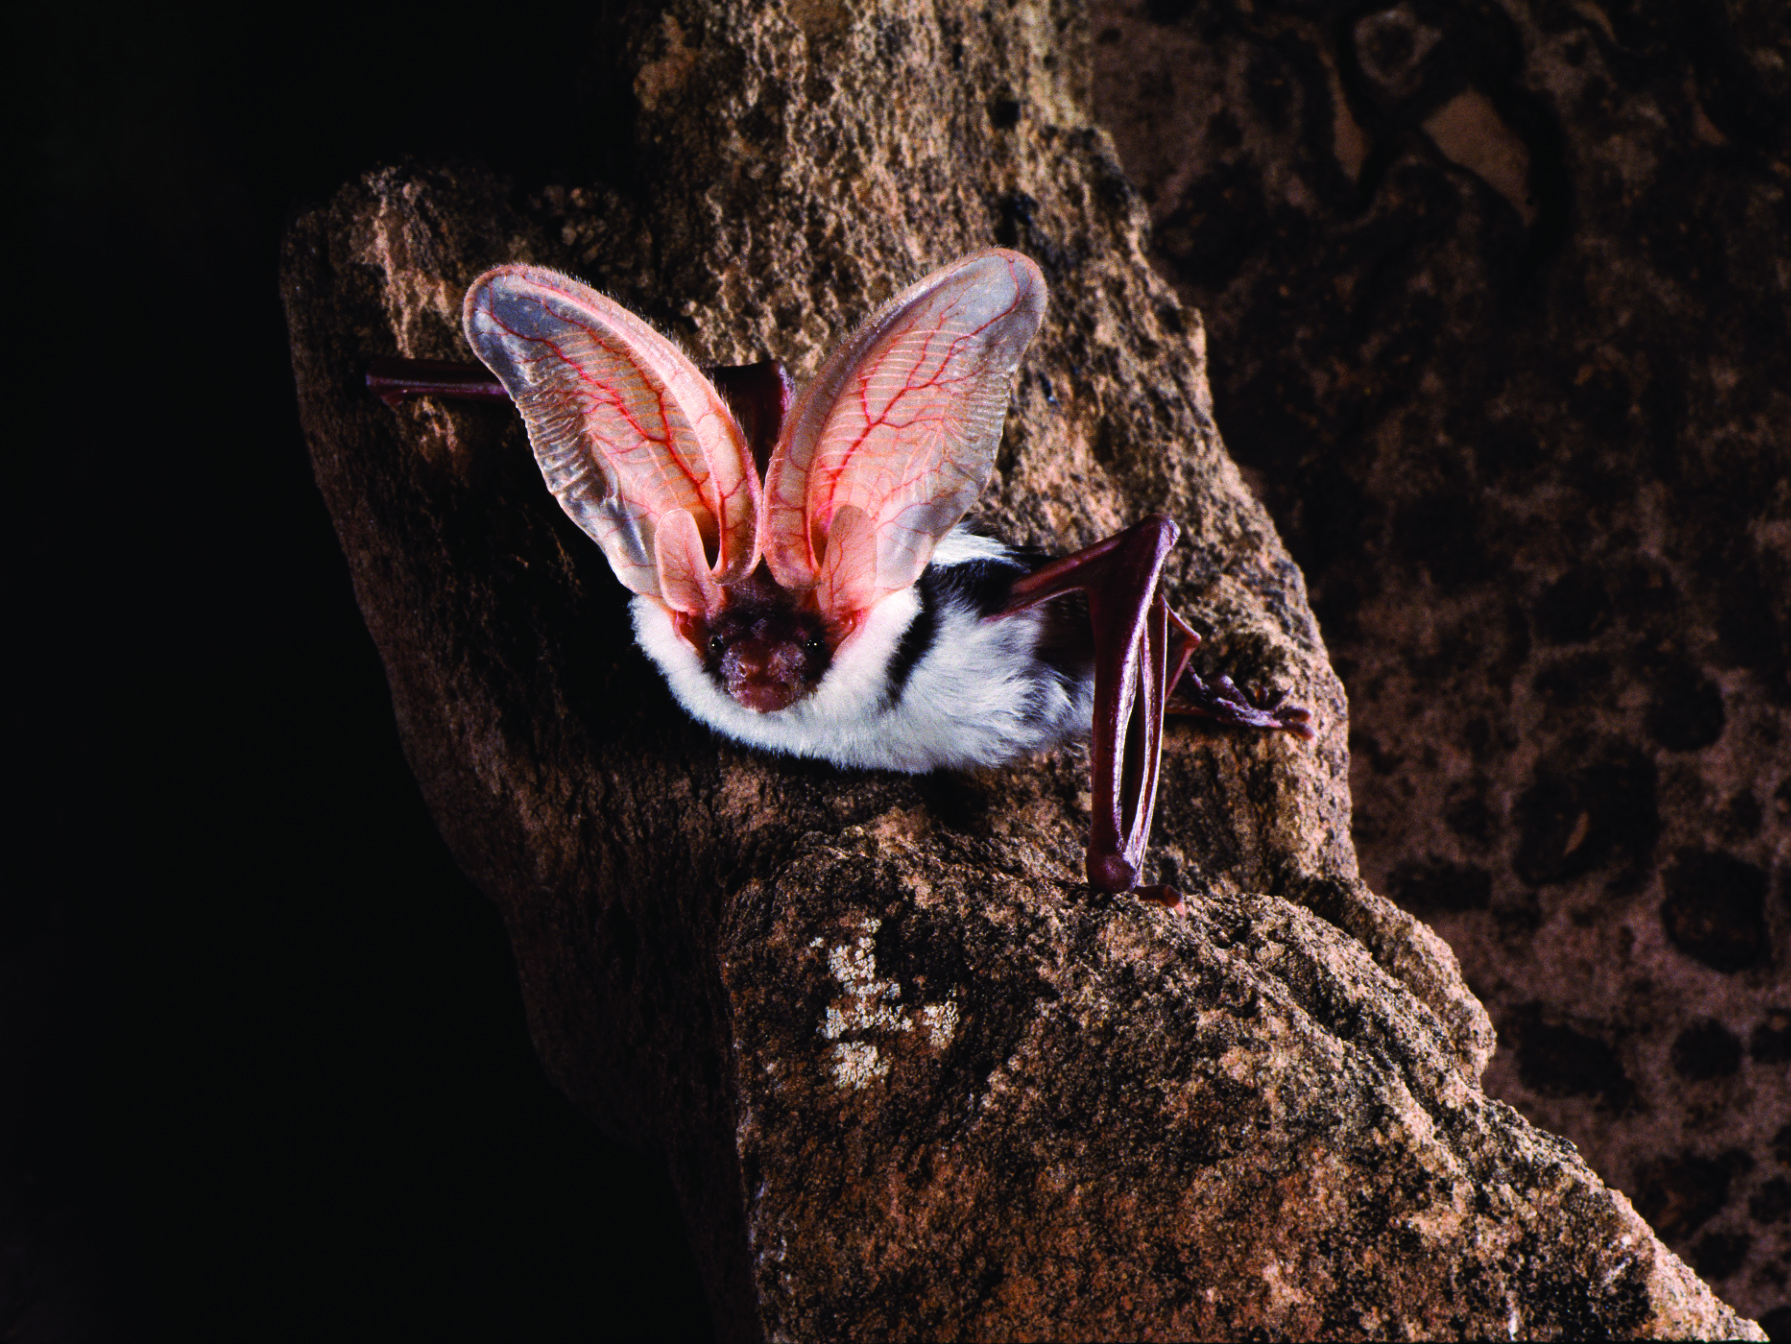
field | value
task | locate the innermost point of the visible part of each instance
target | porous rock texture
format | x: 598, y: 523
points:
x: 1499, y: 304
x: 910, y: 1076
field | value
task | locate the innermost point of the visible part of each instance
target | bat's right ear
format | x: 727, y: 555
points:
x: 630, y: 436
x: 888, y: 447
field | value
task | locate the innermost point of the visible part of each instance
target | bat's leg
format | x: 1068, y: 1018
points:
x: 1130, y: 626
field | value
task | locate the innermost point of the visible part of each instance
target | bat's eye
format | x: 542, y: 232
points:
x: 814, y: 643
x: 717, y: 646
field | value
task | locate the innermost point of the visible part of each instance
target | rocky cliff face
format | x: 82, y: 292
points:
x: 911, y: 1078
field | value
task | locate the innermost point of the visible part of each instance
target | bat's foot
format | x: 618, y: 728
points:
x: 1163, y: 895
x: 1221, y: 699
x: 1111, y: 872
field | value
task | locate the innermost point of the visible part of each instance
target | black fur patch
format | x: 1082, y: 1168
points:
x: 984, y: 586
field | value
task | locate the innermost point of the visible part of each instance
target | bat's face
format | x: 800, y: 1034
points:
x: 762, y: 648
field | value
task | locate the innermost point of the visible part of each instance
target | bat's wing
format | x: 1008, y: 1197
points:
x: 886, y: 450
x: 635, y: 443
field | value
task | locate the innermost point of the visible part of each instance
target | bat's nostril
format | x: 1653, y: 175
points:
x: 764, y: 695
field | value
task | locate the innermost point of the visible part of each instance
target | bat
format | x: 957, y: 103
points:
x: 801, y: 571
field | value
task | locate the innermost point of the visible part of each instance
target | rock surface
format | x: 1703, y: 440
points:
x: 910, y: 1077
x: 1499, y: 305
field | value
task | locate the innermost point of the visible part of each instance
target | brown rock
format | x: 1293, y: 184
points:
x: 909, y: 1076
x: 974, y: 1104
x: 1498, y: 307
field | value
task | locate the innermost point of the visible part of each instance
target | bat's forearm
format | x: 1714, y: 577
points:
x: 396, y: 380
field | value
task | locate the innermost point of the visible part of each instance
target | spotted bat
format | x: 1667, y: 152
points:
x: 836, y: 606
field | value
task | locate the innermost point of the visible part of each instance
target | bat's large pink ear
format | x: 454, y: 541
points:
x: 630, y: 436
x: 900, y: 426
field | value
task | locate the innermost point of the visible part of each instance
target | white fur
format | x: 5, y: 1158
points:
x: 960, y: 545
x: 966, y: 700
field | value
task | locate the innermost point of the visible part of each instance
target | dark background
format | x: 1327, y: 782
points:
x: 264, y: 1071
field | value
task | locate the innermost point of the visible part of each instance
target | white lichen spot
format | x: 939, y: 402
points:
x: 869, y: 1006
x: 866, y: 1004
x: 856, y: 1063
x: 941, y: 1023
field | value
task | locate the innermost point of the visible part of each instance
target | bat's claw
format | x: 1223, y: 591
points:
x: 1222, y: 699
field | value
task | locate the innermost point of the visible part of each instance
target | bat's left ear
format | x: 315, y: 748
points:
x: 629, y: 435
x: 890, y: 445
